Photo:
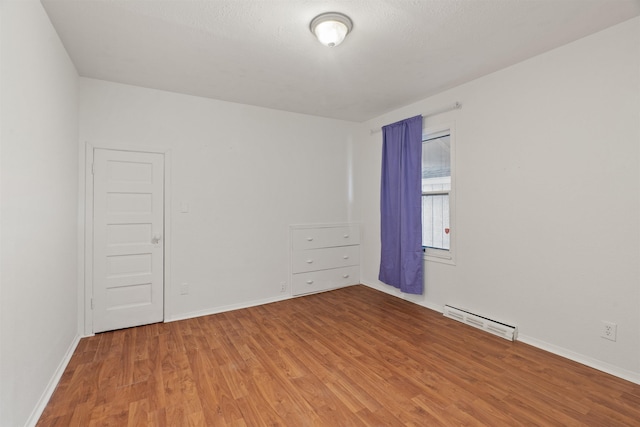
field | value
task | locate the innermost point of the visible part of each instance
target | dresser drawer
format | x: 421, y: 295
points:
x: 315, y: 281
x: 320, y: 259
x: 322, y: 237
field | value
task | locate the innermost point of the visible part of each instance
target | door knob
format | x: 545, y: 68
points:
x: 156, y: 238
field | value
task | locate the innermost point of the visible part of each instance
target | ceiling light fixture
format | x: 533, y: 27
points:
x: 331, y: 28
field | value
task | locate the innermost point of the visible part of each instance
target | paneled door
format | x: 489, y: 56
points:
x: 128, y: 248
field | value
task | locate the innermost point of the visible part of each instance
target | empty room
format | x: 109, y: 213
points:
x: 319, y: 213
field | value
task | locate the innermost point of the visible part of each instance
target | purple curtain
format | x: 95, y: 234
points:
x: 401, y: 260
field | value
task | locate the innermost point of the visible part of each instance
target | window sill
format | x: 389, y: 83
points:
x: 443, y: 259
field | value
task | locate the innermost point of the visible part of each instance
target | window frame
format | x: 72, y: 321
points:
x: 443, y: 255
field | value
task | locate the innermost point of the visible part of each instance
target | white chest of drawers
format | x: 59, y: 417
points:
x: 324, y: 257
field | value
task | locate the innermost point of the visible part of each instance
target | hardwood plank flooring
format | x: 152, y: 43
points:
x: 349, y: 357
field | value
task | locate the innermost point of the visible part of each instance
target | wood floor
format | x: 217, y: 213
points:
x: 350, y: 357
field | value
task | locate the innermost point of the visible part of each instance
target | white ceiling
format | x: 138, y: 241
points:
x: 261, y: 52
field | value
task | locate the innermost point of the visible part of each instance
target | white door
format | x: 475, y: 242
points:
x: 128, y: 249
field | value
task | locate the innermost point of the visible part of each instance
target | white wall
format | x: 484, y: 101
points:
x: 547, y: 193
x: 39, y: 199
x: 246, y: 173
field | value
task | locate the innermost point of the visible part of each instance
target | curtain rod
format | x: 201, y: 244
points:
x: 452, y: 107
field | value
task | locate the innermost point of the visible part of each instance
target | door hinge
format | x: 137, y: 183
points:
x: 91, y: 303
x: 93, y: 168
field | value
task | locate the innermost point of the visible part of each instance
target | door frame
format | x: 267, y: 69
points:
x: 85, y: 294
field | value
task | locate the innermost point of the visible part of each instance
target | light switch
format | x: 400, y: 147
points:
x: 184, y: 208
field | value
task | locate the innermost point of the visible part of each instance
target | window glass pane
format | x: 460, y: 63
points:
x: 436, y: 164
x: 436, y: 176
x: 435, y: 221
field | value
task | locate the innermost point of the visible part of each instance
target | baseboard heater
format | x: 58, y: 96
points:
x: 503, y: 330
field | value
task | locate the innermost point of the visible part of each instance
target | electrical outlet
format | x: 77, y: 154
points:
x: 609, y: 330
x: 283, y: 286
x: 184, y: 289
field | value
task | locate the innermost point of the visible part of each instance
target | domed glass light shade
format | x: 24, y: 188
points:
x: 331, y: 28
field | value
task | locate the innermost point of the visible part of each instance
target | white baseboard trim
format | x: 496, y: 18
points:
x: 396, y: 293
x: 53, y: 383
x: 239, y: 306
x: 582, y: 359
x: 560, y: 351
x: 225, y: 308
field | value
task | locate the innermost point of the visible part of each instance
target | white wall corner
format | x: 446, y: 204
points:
x: 53, y: 383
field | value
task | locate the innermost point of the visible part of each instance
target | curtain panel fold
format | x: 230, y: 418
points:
x: 401, y: 260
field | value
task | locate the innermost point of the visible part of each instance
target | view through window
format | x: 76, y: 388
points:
x: 436, y: 188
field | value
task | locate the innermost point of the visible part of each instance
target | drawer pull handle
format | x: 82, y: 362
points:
x: 346, y: 276
x: 309, y: 282
x: 309, y: 261
x: 346, y: 236
x: 309, y: 239
x: 346, y: 257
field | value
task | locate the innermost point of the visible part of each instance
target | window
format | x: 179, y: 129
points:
x: 436, y: 196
